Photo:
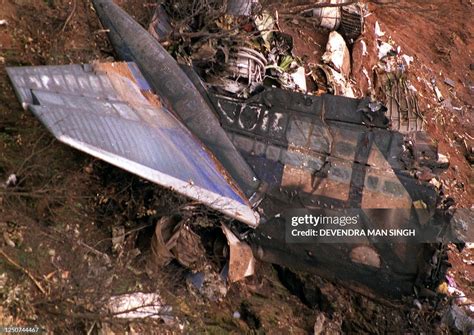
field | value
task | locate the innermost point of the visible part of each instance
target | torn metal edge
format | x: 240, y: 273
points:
x: 227, y: 206
x: 241, y: 260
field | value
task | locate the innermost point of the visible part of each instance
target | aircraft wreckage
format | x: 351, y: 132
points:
x: 250, y: 159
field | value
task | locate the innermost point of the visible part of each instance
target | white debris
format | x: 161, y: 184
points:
x: 438, y: 94
x: 12, y: 180
x: 299, y: 78
x: 139, y: 305
x: 412, y: 88
x: 442, y: 159
x: 8, y: 240
x: 241, y: 260
x: 337, y: 55
x: 330, y: 16
x: 384, y: 49
x: 265, y: 24
x: 468, y: 262
x: 378, y: 31
x: 407, y: 59
x: 457, y: 293
x: 366, y: 74
x: 417, y: 303
x: 435, y: 182
x: 364, y: 48
x: 3, y: 22
x: 338, y: 82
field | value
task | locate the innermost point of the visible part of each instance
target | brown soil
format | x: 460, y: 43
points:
x: 439, y: 34
x: 60, y: 214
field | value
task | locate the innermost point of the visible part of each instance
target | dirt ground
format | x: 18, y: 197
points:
x: 439, y: 35
x: 58, y: 268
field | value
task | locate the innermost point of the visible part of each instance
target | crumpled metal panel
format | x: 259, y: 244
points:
x: 160, y: 26
x: 352, y: 22
x: 402, y: 104
x: 109, y: 112
x: 240, y: 7
x: 327, y: 152
x: 315, y: 151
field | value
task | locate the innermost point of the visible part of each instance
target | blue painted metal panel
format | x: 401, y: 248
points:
x: 112, y: 117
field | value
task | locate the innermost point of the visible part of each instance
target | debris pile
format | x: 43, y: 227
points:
x: 246, y: 126
x: 238, y: 50
x: 240, y: 53
x: 360, y: 60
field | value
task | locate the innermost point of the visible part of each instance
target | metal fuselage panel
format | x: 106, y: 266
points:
x: 133, y: 43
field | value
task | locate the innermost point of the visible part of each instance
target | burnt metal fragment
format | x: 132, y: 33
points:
x: 352, y: 22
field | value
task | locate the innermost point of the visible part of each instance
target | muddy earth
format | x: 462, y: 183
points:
x: 59, y: 263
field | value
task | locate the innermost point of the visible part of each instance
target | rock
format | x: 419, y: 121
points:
x: 425, y: 175
x: 460, y: 223
x: 443, y: 161
x: 3, y: 280
x: 457, y: 319
x: 365, y: 255
x: 89, y: 169
x: 319, y: 324
x: 448, y: 105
